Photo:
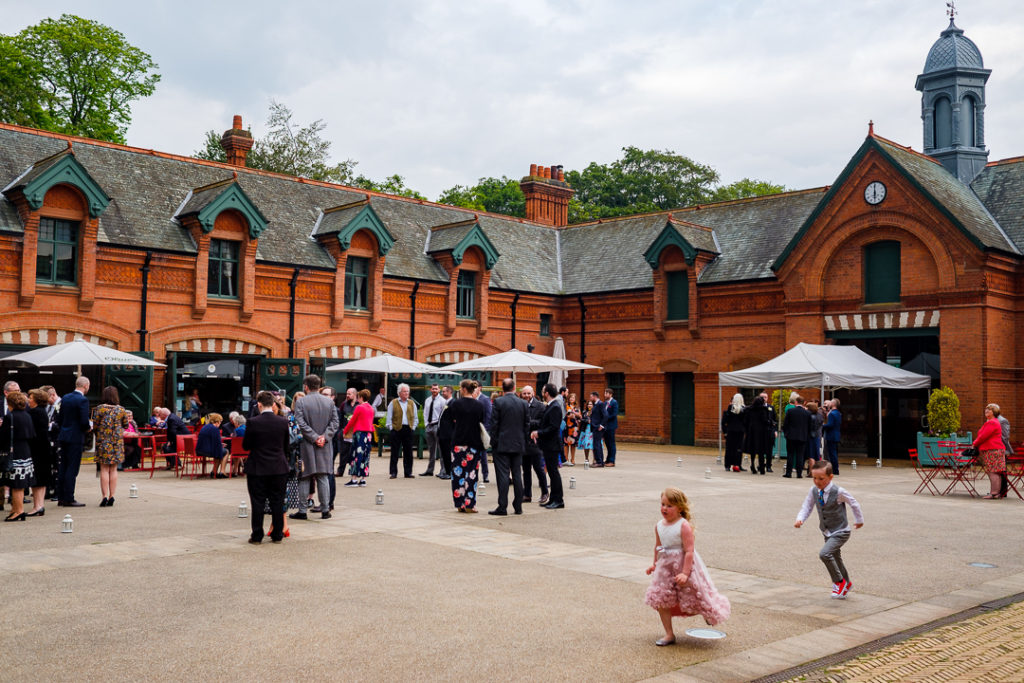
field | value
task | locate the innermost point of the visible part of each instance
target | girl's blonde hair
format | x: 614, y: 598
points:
x: 677, y: 498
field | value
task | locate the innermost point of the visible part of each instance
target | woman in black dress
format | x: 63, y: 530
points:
x: 467, y: 448
x: 22, y: 432
x: 734, y: 429
x: 39, y: 446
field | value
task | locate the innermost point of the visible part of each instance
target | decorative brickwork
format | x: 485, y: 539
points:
x: 115, y: 273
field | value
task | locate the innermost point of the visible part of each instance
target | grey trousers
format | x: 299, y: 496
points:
x: 323, y: 491
x: 431, y: 436
x: 831, y: 556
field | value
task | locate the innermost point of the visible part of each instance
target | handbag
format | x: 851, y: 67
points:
x: 485, y: 437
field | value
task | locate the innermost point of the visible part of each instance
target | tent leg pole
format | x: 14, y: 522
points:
x: 719, y: 418
x: 879, y: 425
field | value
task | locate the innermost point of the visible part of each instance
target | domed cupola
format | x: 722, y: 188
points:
x: 953, y: 103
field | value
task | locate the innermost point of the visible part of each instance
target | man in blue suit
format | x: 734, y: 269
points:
x: 74, y: 424
x: 611, y: 423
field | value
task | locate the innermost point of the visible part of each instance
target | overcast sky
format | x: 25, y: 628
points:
x: 447, y: 92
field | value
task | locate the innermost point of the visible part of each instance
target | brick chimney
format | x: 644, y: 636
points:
x: 236, y: 142
x: 547, y: 195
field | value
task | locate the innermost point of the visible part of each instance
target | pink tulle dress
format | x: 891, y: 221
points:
x: 697, y: 595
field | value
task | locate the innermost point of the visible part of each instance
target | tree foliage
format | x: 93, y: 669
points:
x: 73, y: 76
x: 943, y: 412
x: 287, y: 148
x: 641, y: 181
x: 304, y: 152
x: 496, y: 195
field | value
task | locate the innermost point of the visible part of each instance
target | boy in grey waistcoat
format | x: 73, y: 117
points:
x: 831, y: 501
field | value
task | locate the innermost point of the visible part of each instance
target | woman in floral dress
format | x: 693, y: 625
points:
x: 109, y: 422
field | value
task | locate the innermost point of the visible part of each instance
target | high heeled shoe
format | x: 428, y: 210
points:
x: 110, y: 502
x: 38, y: 513
x: 103, y: 503
x: 16, y: 518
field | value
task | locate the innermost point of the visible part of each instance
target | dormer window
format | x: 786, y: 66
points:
x: 677, y: 293
x: 57, y: 255
x: 223, y: 269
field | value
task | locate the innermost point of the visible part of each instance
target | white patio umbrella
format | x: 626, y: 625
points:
x: 519, y: 361
x: 558, y: 376
x: 389, y: 365
x: 78, y: 353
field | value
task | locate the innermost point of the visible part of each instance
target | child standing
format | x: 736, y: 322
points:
x: 680, y: 585
x: 831, y: 501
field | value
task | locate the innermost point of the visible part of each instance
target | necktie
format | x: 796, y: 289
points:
x: 821, y: 498
x: 430, y: 410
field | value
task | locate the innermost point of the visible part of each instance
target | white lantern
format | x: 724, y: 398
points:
x: 853, y: 464
x: 133, y: 491
x: 679, y: 462
x: 878, y: 463
x: 586, y: 464
x: 243, y: 509
x: 380, y: 496
x: 68, y: 525
x: 707, y: 473
x: 572, y: 482
x: 718, y: 460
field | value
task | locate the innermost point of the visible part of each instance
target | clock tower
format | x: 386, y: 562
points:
x: 953, y: 103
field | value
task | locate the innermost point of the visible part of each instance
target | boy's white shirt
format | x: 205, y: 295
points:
x: 844, y: 497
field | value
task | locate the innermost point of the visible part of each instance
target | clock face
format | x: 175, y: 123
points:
x: 874, y: 193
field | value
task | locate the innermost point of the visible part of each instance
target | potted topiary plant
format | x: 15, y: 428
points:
x: 943, y: 424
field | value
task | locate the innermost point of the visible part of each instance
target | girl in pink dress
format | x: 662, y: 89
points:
x: 680, y: 585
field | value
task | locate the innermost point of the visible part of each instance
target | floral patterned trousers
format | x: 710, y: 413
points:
x: 466, y: 462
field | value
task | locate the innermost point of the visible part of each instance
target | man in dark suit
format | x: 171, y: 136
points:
x: 508, y: 430
x: 796, y: 426
x: 832, y: 435
x: 608, y: 427
x: 485, y: 401
x: 266, y: 469
x: 548, y: 438
x: 532, y: 457
x: 175, y: 427
x: 445, y: 432
x: 74, y: 425
x: 596, y: 420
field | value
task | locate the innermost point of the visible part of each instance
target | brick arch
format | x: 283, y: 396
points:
x: 43, y: 329
x: 364, y: 243
x: 744, y: 362
x: 678, y: 365
x: 68, y: 199
x: 616, y: 365
x: 231, y: 224
x: 327, y: 344
x: 672, y: 255
x: 220, y: 338
x: 855, y: 233
x: 474, y: 349
x: 473, y: 259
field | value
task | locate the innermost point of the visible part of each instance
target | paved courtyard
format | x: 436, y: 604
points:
x: 165, y: 587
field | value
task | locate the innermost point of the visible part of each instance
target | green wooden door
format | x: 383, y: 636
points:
x: 134, y: 385
x: 282, y: 374
x: 682, y: 408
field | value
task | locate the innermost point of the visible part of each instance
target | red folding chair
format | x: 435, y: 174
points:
x: 1015, y: 472
x: 188, y: 461
x: 925, y: 474
x: 961, y: 470
x: 238, y: 456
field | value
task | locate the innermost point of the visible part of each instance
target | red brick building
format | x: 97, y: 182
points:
x: 237, y: 278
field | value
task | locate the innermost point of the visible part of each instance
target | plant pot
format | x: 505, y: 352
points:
x: 927, y: 445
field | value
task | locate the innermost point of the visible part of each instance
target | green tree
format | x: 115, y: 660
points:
x: 393, y: 184
x: 747, y: 187
x: 73, y: 76
x: 495, y: 195
x: 641, y: 181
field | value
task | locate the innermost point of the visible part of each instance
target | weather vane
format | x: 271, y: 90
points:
x: 952, y: 9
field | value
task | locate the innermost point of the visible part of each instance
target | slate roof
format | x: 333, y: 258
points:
x: 446, y: 238
x: 964, y: 206
x: 1000, y: 186
x: 148, y: 189
x: 201, y: 197
x: 953, y: 50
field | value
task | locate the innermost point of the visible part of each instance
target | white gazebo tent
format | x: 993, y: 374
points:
x: 825, y: 366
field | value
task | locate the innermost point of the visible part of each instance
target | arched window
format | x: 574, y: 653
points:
x: 943, y: 123
x: 968, y: 121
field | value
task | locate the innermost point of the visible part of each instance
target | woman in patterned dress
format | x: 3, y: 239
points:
x: 109, y: 421
x: 586, y: 441
x: 22, y: 474
x: 467, y: 447
x: 360, y: 425
x: 572, y: 428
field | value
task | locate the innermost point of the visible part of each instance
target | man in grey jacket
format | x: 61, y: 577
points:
x: 509, y: 425
x: 318, y: 421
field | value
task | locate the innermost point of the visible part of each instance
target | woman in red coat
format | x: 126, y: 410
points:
x: 989, y: 443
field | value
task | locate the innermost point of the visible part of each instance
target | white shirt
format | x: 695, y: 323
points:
x: 432, y: 409
x: 844, y: 497
x: 378, y: 401
x: 405, y: 414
